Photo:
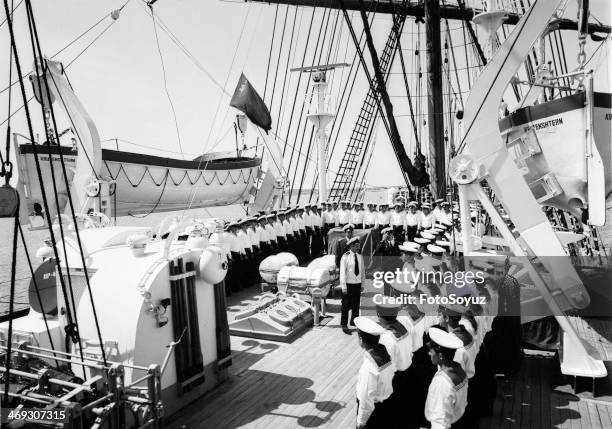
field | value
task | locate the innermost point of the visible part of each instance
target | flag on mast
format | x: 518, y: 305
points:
x: 248, y: 101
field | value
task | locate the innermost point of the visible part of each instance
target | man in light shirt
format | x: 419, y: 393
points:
x: 384, y: 216
x: 356, y: 217
x: 344, y: 214
x: 352, y: 276
x: 413, y: 221
x: 398, y: 222
x: 370, y: 217
x: 427, y: 217
x: 447, y: 393
x: 375, y: 377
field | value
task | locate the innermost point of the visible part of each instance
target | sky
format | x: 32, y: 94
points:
x: 120, y: 81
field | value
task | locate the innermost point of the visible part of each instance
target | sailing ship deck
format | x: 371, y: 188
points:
x: 311, y: 383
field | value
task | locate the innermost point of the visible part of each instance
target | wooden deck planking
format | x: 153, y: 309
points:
x: 311, y: 383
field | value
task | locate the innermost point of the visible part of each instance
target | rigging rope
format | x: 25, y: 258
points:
x: 39, y: 172
x: 37, y: 51
x: 163, y: 68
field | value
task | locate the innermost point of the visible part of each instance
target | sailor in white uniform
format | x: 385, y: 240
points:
x: 397, y: 340
x: 375, y: 378
x: 370, y: 218
x: 437, y: 209
x: 352, y: 277
x: 344, y: 214
x: 412, y: 222
x: 281, y: 235
x: 398, y: 222
x: 271, y: 231
x: 357, y: 215
x: 447, y: 393
x: 428, y: 219
x: 384, y: 216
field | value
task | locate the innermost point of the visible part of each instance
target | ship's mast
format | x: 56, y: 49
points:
x: 435, y: 105
x: 320, y: 115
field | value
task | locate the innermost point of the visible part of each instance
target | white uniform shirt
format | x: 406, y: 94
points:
x: 280, y: 229
x: 271, y: 232
x: 436, y: 212
x: 445, y: 402
x: 234, y: 243
x: 370, y: 218
x: 295, y: 226
x: 288, y: 228
x: 329, y: 217
x: 243, y: 239
x: 344, y: 216
x: 466, y: 357
x: 398, y: 219
x: 347, y: 269
x: 413, y: 219
x: 357, y: 218
x: 384, y: 218
x: 416, y: 329
x: 427, y: 220
x: 317, y: 220
x: 263, y: 234
x: 301, y: 222
x: 307, y: 217
x: 374, y: 384
x: 400, y: 349
x: 253, y: 236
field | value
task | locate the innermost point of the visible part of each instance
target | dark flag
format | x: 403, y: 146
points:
x: 248, y: 101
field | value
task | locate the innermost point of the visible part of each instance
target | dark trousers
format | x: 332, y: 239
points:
x: 350, y: 301
x: 411, y: 232
x: 378, y: 419
x: 398, y: 234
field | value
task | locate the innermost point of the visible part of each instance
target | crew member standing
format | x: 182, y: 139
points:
x: 398, y: 342
x: 344, y: 214
x: 370, y: 218
x: 388, y: 252
x: 342, y: 244
x: 398, y: 222
x: 356, y: 217
x: 375, y: 378
x: 352, y: 276
x: 384, y: 217
x: 413, y: 221
x: 447, y: 393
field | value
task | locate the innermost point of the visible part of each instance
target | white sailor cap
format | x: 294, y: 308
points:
x: 443, y: 338
x: 387, y: 229
x: 443, y: 243
x: 397, y: 204
x: 408, y: 248
x: 348, y: 226
x: 353, y: 241
x: 412, y: 204
x: 421, y: 240
x: 426, y: 206
x: 271, y: 216
x: 428, y: 235
x: 369, y: 326
x: 403, y: 286
x: 435, y: 249
x: 439, y: 200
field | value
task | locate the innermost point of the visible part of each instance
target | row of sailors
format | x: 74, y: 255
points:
x: 463, y: 387
x: 385, y: 215
x: 423, y: 370
x: 247, y: 242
